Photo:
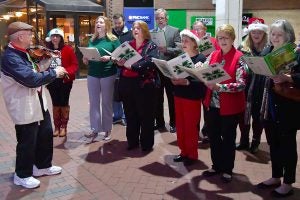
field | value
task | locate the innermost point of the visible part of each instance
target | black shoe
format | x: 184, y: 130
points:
x: 209, y: 173
x: 205, y: 140
x: 189, y: 161
x: 123, y: 122
x: 274, y: 193
x: 117, y: 121
x: 172, y: 129
x: 178, y: 158
x: 226, y: 178
x: 254, y: 148
x: 262, y: 185
x: 242, y: 146
x: 162, y: 129
x: 147, y: 150
x: 131, y: 147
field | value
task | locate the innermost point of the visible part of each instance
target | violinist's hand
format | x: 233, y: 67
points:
x: 85, y: 61
x: 180, y: 81
x: 281, y: 78
x: 60, y: 72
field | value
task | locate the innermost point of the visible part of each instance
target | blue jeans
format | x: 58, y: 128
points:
x: 118, y: 111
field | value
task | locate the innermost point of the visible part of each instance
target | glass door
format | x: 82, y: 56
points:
x: 65, y: 23
x: 85, y: 31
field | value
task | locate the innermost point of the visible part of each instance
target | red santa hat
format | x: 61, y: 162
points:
x: 191, y: 34
x: 257, y: 24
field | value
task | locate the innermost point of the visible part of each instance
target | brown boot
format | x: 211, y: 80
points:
x: 57, y: 120
x: 65, y: 111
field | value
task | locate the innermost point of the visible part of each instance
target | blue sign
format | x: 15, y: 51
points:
x: 144, y: 14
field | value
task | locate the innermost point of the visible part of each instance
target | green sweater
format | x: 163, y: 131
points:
x: 103, y: 69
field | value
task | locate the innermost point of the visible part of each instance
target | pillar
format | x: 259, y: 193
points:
x: 230, y: 12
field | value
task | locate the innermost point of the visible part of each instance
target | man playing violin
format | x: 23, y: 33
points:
x: 24, y: 96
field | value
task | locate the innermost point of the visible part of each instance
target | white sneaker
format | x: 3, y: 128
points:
x: 28, y: 182
x: 106, y: 136
x: 47, y: 171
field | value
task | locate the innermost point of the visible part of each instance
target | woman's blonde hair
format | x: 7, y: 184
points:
x: 108, y: 29
x: 228, y: 29
x: 144, y: 27
x: 248, y: 43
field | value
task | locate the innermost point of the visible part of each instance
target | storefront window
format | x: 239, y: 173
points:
x: 77, y: 26
x: 65, y: 23
x: 36, y: 18
x: 86, y: 29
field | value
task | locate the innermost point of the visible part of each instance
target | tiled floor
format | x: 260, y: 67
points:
x: 107, y: 171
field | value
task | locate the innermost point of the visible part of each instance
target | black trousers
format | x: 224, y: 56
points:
x: 138, y: 104
x: 60, y: 92
x: 159, y: 108
x: 222, y: 134
x: 283, y: 152
x: 257, y: 126
x: 34, y: 146
x: 204, y: 127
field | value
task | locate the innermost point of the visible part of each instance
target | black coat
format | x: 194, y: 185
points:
x: 285, y: 112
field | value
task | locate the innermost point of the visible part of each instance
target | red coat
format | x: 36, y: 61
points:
x: 230, y: 102
x: 69, y: 62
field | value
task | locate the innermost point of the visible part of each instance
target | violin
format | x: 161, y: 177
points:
x: 39, y: 53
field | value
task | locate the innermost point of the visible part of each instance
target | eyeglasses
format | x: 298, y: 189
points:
x: 55, y: 35
x: 223, y: 38
x: 199, y: 29
x: 160, y: 18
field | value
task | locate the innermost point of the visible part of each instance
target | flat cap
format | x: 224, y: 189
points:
x: 18, y: 26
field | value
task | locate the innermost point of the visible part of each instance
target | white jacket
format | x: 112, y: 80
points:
x: 22, y: 103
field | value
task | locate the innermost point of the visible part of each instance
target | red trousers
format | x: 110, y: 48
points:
x: 187, y: 115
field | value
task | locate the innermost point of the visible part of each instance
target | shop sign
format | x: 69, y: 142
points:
x: 245, y: 18
x: 144, y: 14
x: 209, y: 21
x: 132, y: 18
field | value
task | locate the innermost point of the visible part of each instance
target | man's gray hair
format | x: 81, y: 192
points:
x: 161, y: 10
x: 14, y: 36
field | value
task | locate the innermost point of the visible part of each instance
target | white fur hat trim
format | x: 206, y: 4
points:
x: 191, y: 34
x: 258, y: 26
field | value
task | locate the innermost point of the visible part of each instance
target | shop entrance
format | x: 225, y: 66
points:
x: 76, y: 18
x: 77, y: 31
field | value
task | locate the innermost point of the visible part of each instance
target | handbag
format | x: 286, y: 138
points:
x: 287, y: 90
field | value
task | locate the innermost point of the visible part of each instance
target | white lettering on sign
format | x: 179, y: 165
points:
x: 138, y: 17
x: 207, y: 20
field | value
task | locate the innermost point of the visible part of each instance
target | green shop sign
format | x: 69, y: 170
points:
x: 210, y: 22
